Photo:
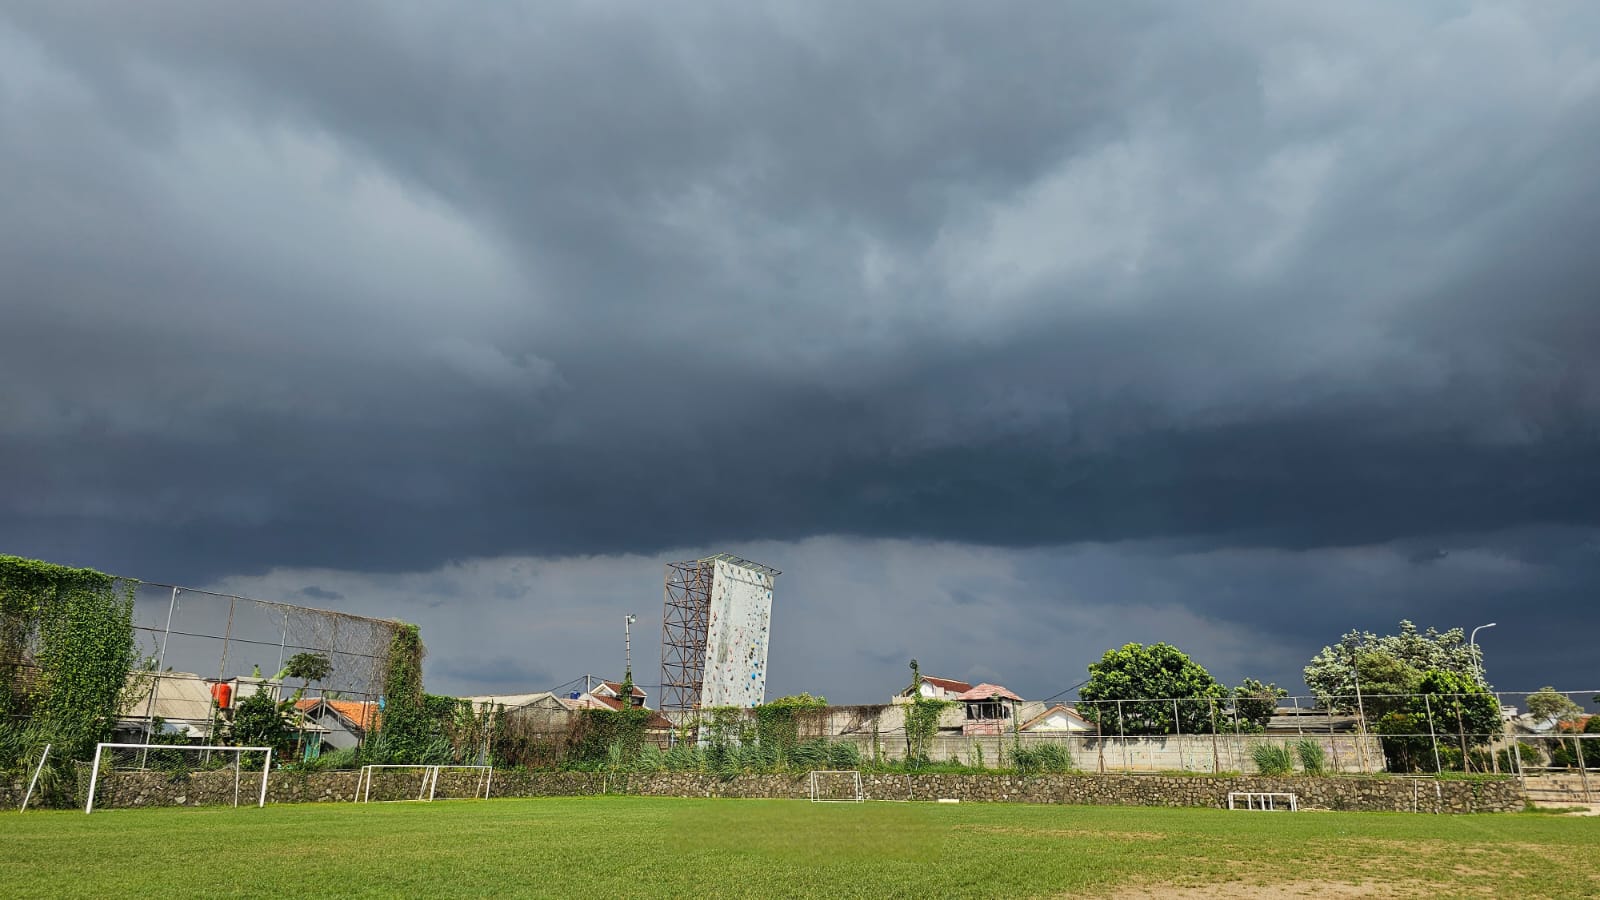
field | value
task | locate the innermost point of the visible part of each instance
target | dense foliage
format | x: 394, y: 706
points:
x: 1388, y: 665
x: 260, y: 721
x: 1437, y: 726
x: 1162, y: 691
x: 922, y: 723
x: 1546, y: 705
x: 411, y: 731
x: 66, y: 648
x: 1255, y: 702
x: 783, y: 722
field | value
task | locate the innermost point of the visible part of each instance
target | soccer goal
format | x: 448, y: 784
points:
x: 167, y: 750
x: 481, y: 781
x: 1263, y: 800
x: 836, y: 785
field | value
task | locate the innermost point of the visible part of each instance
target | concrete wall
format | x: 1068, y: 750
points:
x: 1171, y: 753
x: 131, y: 789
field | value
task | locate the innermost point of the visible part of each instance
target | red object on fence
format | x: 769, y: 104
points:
x: 222, y: 692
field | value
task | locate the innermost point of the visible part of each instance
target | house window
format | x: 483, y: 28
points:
x: 987, y: 710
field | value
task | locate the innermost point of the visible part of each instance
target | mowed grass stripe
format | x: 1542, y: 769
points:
x: 653, y: 847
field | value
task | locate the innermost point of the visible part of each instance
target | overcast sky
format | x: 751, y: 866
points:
x: 1009, y: 334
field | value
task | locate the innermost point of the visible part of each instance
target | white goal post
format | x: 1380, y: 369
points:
x: 1263, y: 800
x: 849, y: 777
x: 429, y: 787
x: 238, y: 755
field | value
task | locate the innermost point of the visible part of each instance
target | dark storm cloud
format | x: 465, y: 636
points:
x: 375, y: 287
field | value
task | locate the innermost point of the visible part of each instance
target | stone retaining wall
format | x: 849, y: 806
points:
x: 125, y: 789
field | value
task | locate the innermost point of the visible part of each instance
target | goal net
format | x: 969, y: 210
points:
x: 205, y: 774
x: 395, y: 783
x: 838, y: 785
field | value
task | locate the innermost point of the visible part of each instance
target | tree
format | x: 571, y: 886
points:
x: 1390, y: 664
x: 1256, y: 702
x: 1545, y: 705
x: 1438, y: 723
x: 1467, y: 709
x: 307, y: 667
x: 1162, y: 691
x: 260, y: 721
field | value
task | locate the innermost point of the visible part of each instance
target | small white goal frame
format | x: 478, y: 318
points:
x: 430, y: 782
x: 238, y: 755
x: 1263, y: 800
x: 855, y: 773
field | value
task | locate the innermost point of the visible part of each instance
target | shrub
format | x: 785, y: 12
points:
x: 1041, y: 758
x: 844, y: 755
x: 1273, y: 759
x: 1313, y: 758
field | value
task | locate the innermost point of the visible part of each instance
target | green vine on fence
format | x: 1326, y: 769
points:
x: 66, y: 648
x: 922, y: 723
x: 779, y: 724
x: 410, y: 731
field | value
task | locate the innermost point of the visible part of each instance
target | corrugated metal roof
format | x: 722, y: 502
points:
x: 179, y: 697
x: 948, y: 684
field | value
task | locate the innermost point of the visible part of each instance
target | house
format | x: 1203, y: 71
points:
x: 613, y: 689
x: 1058, y: 719
x: 989, y: 708
x: 342, y: 723
x: 181, y: 700
x: 549, y: 712
x: 1310, y: 720
x: 933, y: 688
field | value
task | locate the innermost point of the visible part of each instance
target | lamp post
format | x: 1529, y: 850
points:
x: 1472, y: 641
x: 627, y: 649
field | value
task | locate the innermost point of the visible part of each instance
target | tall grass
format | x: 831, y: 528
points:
x: 1273, y: 759
x: 1313, y: 758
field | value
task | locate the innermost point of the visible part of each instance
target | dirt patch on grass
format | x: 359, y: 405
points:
x: 1065, y: 832
x: 1277, y: 890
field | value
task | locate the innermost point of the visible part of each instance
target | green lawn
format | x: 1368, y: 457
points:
x: 641, y: 847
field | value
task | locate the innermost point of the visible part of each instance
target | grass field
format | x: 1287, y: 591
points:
x: 639, y: 847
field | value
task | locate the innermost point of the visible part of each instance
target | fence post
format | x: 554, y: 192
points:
x: 1216, y: 760
x: 1122, y: 736
x: 1433, y: 736
x: 1583, y: 768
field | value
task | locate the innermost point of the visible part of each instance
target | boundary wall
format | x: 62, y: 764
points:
x: 1349, y: 792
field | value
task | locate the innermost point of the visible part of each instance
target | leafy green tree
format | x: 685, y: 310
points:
x: 260, y: 721
x: 1546, y: 705
x: 1256, y: 702
x: 1387, y: 664
x: 1466, y: 707
x: 307, y: 667
x: 1162, y: 691
x: 1448, y: 714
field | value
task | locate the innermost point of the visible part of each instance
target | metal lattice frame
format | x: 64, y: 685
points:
x: 685, y: 624
x: 685, y: 621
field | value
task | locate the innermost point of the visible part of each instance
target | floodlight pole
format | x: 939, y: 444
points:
x: 1477, y: 660
x: 627, y: 651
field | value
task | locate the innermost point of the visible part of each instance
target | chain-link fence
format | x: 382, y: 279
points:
x: 201, y: 654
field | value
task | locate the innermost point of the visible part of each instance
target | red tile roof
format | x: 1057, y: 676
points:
x: 616, y: 688
x: 987, y: 691
x: 948, y: 684
x: 656, y: 720
x: 362, y: 714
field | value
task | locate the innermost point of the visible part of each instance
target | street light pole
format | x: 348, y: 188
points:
x: 1477, y: 660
